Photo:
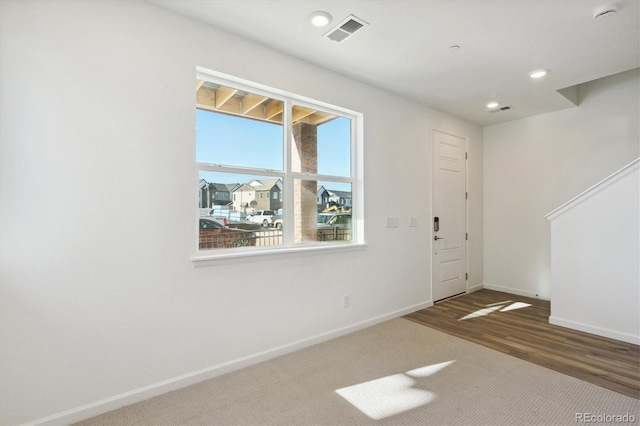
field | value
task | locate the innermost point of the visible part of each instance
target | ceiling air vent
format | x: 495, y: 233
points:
x: 503, y: 108
x: 345, y: 29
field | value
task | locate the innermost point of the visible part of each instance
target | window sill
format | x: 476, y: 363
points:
x: 202, y: 258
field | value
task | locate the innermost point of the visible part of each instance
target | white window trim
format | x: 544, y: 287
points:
x: 231, y: 254
x: 356, y: 179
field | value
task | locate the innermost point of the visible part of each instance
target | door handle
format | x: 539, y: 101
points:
x: 436, y: 238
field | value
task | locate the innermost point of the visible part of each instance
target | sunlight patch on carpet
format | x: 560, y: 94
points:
x: 393, y: 394
x: 429, y: 370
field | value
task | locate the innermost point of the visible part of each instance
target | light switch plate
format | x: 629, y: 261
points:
x: 392, y: 222
x: 413, y: 222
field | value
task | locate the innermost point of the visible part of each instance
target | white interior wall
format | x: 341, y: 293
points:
x: 595, y: 246
x: 534, y: 165
x: 100, y: 303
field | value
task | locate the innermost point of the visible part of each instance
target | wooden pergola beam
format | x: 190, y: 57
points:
x: 251, y: 101
x: 223, y: 100
x: 223, y: 94
x: 319, y: 118
x: 274, y: 107
x: 299, y: 113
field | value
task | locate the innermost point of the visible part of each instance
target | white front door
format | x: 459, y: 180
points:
x: 449, y: 199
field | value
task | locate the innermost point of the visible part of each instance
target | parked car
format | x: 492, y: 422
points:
x: 334, y: 227
x: 265, y: 217
x: 222, y: 219
x: 277, y: 223
x: 214, y: 234
x: 333, y: 220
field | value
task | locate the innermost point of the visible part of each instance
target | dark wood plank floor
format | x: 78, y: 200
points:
x: 519, y: 326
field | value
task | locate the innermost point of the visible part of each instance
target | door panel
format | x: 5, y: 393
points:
x: 449, y: 245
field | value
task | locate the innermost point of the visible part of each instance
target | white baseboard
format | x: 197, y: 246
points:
x: 598, y: 331
x: 127, y: 398
x: 475, y: 288
x: 515, y: 291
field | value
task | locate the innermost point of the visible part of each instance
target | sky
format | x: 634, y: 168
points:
x: 230, y: 140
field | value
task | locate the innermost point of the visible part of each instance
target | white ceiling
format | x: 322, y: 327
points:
x: 404, y: 49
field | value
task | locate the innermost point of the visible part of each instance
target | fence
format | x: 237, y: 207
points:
x: 213, y: 239
x: 273, y: 237
x: 264, y: 237
x: 334, y: 234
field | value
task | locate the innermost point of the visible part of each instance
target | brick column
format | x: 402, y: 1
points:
x: 305, y: 160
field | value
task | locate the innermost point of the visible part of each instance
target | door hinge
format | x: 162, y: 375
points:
x: 466, y: 195
x: 466, y: 276
x: 466, y: 236
x: 466, y: 155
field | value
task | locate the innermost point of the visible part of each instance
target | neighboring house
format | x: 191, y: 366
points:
x: 244, y: 197
x: 339, y: 198
x: 257, y: 195
x: 204, y: 195
x: 215, y: 194
x: 222, y: 193
x: 323, y: 198
x: 328, y: 197
x: 268, y: 194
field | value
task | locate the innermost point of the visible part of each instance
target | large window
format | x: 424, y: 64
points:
x: 275, y: 170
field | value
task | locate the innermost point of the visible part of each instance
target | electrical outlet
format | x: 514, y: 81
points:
x: 413, y: 222
x: 346, y: 301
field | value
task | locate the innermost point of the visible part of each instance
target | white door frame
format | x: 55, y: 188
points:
x: 431, y: 198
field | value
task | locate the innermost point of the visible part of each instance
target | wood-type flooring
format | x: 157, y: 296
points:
x: 519, y: 326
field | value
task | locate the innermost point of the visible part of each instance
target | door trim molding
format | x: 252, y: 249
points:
x: 430, y: 147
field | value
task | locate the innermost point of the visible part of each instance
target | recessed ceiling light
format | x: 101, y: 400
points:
x: 320, y: 18
x: 454, y: 48
x: 538, y: 74
x: 492, y: 104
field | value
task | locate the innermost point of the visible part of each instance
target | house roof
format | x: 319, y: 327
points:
x: 341, y: 194
x: 228, y: 187
x: 244, y: 187
x: 266, y: 185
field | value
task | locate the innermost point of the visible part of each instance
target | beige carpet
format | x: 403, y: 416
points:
x: 394, y: 373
